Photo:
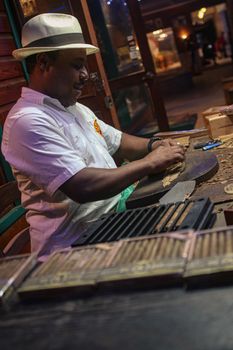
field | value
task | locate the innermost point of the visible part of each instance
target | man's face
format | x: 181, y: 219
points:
x: 66, y: 76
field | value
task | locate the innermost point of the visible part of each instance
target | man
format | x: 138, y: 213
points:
x: 61, y: 154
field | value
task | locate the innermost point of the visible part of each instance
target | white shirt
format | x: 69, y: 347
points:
x: 46, y: 144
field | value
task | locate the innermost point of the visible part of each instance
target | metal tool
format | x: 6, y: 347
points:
x: 179, y: 193
x: 214, y: 144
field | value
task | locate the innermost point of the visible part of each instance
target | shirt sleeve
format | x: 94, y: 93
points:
x: 41, y: 151
x: 111, y: 135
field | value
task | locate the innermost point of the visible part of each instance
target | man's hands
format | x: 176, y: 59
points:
x: 165, y: 142
x: 93, y: 184
x: 165, y: 153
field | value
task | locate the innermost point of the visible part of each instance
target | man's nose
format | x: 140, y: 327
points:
x: 84, y: 74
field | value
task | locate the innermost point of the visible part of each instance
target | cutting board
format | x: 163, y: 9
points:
x: 199, y: 166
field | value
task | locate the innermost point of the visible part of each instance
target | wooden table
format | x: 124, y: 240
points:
x: 156, y: 319
x: 166, y: 319
x: 214, y: 187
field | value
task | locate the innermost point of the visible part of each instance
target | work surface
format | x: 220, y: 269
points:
x: 164, y: 320
x: 155, y: 319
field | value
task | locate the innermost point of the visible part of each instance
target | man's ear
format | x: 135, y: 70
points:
x: 43, y: 61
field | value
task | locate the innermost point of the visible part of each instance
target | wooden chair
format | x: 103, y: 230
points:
x: 14, y: 232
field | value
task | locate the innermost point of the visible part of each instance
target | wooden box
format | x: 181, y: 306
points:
x: 136, y: 263
x: 213, y: 110
x: 210, y: 258
x: 219, y: 124
x: 13, y: 270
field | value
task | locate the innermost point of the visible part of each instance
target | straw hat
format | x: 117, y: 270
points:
x: 52, y: 32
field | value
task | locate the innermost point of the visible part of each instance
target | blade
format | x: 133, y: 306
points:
x: 179, y: 193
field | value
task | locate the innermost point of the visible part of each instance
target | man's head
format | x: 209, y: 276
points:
x: 55, y: 54
x: 60, y: 74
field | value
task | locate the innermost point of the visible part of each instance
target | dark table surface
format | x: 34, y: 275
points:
x: 171, y: 319
x: 163, y: 319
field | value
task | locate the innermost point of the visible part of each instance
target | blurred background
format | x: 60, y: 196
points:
x: 161, y: 63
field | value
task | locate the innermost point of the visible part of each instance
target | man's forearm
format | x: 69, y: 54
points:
x: 92, y: 184
x: 132, y: 147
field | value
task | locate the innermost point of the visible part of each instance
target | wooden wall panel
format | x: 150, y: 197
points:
x: 9, y: 68
x: 10, y: 90
x: 11, y: 74
x: 11, y: 81
x: 4, y: 25
x: 6, y: 45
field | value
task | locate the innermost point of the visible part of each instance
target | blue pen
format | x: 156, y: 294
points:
x: 212, y: 145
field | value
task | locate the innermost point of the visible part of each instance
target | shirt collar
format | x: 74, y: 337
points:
x: 41, y: 99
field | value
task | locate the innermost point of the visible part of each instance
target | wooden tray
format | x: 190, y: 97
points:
x: 200, y: 166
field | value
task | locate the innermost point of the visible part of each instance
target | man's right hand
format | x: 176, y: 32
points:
x: 165, y: 154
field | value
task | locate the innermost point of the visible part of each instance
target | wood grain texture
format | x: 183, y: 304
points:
x: 7, y: 45
x: 10, y: 90
x: 9, y: 68
x: 4, y: 24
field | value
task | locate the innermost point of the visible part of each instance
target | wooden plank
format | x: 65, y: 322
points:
x: 10, y: 90
x: 175, y: 134
x: 7, y: 45
x: 9, y: 68
x: 4, y: 24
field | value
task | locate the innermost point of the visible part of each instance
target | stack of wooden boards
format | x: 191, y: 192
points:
x: 218, y: 120
x: 185, y: 258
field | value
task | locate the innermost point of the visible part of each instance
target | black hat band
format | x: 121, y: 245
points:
x: 58, y: 40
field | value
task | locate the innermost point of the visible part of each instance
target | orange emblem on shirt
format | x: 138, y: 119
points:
x: 97, y: 127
